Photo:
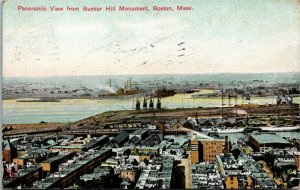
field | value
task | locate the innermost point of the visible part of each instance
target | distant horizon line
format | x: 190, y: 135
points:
x: 277, y: 72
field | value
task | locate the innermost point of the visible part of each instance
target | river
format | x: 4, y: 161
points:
x: 70, y: 110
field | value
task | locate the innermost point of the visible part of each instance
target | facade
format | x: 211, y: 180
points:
x: 129, y: 174
x: 19, y: 161
x: 205, y: 150
x: 209, y: 148
x: 52, y: 164
x: 140, y: 133
x: 297, y: 159
x: 231, y: 182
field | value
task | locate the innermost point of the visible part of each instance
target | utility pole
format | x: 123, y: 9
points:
x: 277, y: 114
x: 222, y: 105
x: 235, y: 104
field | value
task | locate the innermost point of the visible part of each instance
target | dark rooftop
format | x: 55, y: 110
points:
x: 120, y: 137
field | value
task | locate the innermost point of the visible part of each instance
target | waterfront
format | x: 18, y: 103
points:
x: 181, y: 139
x: 70, y: 110
x: 289, y: 134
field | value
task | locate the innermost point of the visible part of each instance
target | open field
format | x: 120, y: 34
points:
x: 128, y: 116
x: 148, y: 116
x: 29, y: 128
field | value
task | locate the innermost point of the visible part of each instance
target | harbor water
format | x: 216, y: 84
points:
x: 70, y: 110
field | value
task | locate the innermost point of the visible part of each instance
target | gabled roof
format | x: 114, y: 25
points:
x: 182, y: 121
x: 120, y: 137
x: 135, y: 140
x: 202, y: 121
x: 173, y: 122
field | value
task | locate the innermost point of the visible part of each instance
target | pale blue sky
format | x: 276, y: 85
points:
x: 218, y: 36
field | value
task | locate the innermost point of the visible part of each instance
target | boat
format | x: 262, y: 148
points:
x: 164, y: 92
x: 224, y: 131
x: 252, y: 129
x: 281, y: 129
x: 204, y: 95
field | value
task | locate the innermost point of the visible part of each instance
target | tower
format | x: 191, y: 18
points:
x: 226, y: 147
x: 194, y: 149
x: 9, y: 151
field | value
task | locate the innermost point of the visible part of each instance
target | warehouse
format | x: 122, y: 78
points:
x: 265, y: 141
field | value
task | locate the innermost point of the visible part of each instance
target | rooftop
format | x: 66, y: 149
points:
x: 264, y: 138
x: 139, y: 132
x: 95, y: 141
x: 55, y: 158
x: 120, y: 137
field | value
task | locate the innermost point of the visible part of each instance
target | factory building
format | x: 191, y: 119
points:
x: 205, y: 150
x: 120, y: 139
x: 52, y: 164
x: 265, y: 141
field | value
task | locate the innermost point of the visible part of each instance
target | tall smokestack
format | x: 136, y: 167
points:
x: 226, y: 148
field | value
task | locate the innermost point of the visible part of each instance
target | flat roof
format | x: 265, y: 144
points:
x: 268, y: 138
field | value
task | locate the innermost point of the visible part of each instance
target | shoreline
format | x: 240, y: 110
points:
x: 121, y: 97
x: 138, y: 116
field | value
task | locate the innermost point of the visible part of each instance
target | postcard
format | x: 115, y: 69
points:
x: 150, y: 94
